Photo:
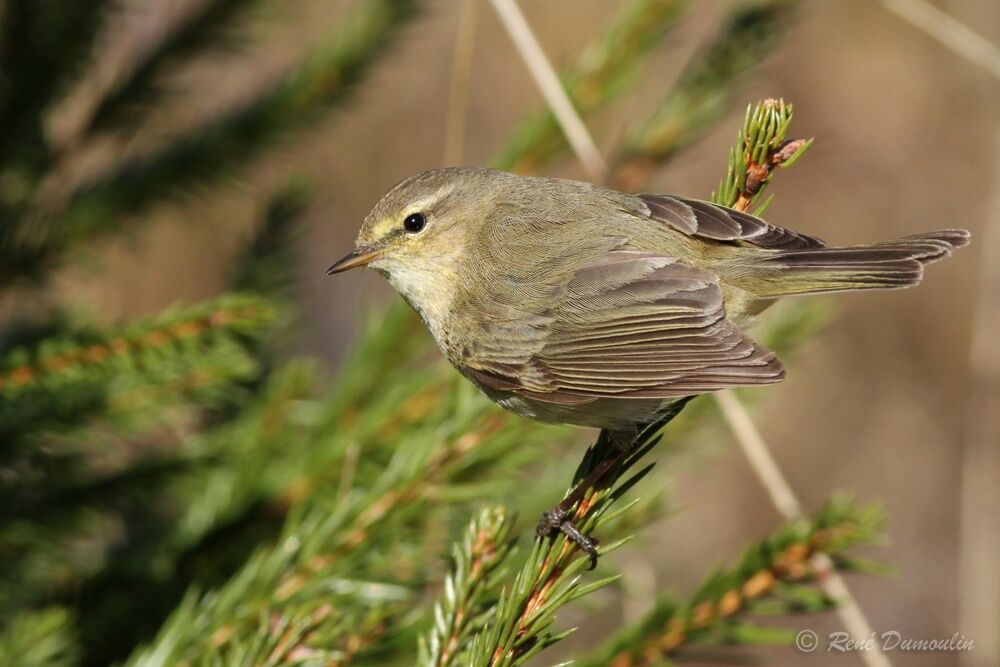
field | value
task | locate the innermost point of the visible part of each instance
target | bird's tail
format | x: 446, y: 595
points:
x: 888, y: 265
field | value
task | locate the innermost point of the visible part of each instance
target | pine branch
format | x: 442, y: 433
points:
x: 364, y: 498
x: 440, y: 642
x: 211, y: 24
x: 363, y: 377
x: 190, y: 352
x: 299, y: 99
x: 203, y: 511
x: 761, y: 146
x: 227, y: 490
x: 364, y: 503
x: 42, y: 45
x: 225, y: 493
x: 774, y: 576
x: 204, y: 507
x: 523, y: 617
x: 70, y: 479
x: 550, y: 577
x: 604, y: 70
x: 353, y: 544
x: 466, y: 601
x: 705, y: 89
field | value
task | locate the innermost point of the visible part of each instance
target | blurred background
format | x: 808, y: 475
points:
x: 887, y: 400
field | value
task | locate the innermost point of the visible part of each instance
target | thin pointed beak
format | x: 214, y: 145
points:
x: 357, y: 257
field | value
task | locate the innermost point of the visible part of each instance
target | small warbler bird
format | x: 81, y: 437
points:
x: 571, y: 303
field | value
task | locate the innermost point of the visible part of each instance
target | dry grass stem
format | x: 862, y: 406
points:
x: 458, y: 93
x: 952, y: 34
x: 979, y: 531
x: 548, y: 83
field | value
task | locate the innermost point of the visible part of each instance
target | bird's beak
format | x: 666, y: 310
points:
x: 357, y: 257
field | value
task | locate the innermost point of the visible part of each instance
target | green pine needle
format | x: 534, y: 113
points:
x: 301, y: 98
x: 38, y: 639
x: 761, y: 145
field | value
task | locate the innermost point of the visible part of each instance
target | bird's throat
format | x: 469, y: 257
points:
x: 429, y: 288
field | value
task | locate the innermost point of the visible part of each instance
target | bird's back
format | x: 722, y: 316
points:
x: 543, y: 283
x: 583, y: 305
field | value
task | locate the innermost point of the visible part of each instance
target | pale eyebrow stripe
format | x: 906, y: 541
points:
x: 425, y: 202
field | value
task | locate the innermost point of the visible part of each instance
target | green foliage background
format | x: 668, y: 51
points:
x: 182, y: 490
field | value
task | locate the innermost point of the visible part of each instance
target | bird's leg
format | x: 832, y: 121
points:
x: 558, y: 519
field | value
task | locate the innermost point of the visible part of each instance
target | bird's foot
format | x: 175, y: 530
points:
x: 557, y: 520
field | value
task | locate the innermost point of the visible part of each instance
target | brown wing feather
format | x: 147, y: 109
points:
x: 710, y: 221
x: 635, y: 325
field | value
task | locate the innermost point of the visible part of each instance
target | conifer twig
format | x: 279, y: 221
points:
x: 23, y: 368
x: 761, y: 146
x: 59, y: 379
x: 463, y: 608
x: 203, y: 26
x: 551, y: 575
x: 64, y: 214
x: 357, y: 546
x: 597, y: 168
x: 42, y: 638
x: 778, y: 571
x: 604, y: 66
x: 43, y: 47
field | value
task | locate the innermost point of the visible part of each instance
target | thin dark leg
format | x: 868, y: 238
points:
x: 624, y: 443
x: 558, y: 518
x: 593, y: 479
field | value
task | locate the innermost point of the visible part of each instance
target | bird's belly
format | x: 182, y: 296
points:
x: 609, y: 413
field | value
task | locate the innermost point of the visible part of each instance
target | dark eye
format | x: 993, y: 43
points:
x: 414, y: 222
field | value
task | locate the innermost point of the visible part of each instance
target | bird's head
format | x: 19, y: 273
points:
x: 424, y: 220
x: 418, y: 234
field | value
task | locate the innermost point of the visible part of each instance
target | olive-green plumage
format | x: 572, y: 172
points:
x: 572, y: 303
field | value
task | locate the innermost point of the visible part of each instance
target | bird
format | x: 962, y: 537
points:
x: 573, y: 303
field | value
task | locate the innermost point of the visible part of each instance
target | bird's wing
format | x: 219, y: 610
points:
x: 627, y: 325
x: 711, y: 221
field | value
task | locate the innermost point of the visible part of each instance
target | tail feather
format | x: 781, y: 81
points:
x: 887, y: 265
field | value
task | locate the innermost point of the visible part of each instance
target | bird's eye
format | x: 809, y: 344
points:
x: 414, y: 222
